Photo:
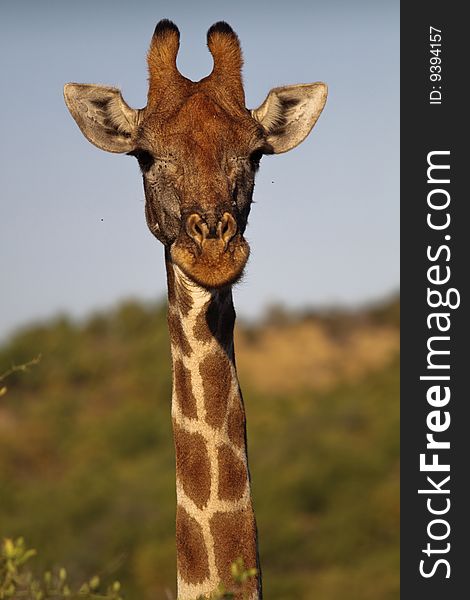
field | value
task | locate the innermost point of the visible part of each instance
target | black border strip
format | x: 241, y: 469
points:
x: 429, y: 128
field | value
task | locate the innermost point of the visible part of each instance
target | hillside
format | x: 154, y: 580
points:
x: 87, y: 464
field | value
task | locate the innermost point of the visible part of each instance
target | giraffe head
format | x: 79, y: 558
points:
x: 198, y: 148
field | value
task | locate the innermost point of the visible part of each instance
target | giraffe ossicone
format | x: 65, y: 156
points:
x: 199, y: 148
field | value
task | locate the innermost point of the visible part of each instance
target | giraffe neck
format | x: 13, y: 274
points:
x: 215, y: 523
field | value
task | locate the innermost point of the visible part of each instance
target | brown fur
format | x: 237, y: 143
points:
x: 232, y: 474
x: 177, y: 336
x: 233, y: 534
x: 184, y: 392
x: 183, y: 299
x: 192, y: 465
x: 196, y: 137
x: 207, y: 322
x: 213, y: 268
x: 217, y: 382
x: 193, y: 563
x: 164, y: 77
x: 236, y: 423
x: 170, y: 280
x: 228, y: 62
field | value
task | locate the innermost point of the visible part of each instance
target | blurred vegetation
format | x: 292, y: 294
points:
x: 17, y: 581
x: 87, y: 459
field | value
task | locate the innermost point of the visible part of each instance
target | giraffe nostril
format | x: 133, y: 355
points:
x: 197, y: 228
x: 227, y: 228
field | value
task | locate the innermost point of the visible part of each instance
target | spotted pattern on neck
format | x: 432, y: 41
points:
x: 215, y: 523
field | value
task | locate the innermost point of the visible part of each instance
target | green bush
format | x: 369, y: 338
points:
x: 17, y: 581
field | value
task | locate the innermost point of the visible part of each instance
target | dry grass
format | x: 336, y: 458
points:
x: 308, y: 354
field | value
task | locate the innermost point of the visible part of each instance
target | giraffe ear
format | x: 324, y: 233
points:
x: 102, y: 115
x: 289, y: 113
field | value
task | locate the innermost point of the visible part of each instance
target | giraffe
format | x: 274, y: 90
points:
x: 199, y: 148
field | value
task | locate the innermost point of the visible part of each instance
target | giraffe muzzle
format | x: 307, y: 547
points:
x: 211, y: 250
x: 200, y: 230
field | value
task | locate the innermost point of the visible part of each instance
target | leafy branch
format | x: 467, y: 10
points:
x: 15, y: 369
x: 240, y: 576
x: 17, y: 582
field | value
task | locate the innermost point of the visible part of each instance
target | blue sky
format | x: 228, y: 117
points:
x: 325, y: 226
